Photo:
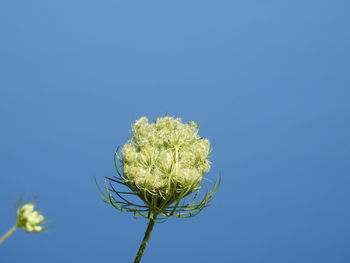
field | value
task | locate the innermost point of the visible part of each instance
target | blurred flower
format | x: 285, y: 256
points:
x: 28, y: 219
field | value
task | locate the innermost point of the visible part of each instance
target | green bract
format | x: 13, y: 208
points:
x: 162, y: 163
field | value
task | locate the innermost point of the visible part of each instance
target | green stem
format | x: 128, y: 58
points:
x: 143, y: 245
x: 8, y: 233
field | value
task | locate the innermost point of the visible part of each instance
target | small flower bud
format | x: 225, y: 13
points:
x: 28, y: 219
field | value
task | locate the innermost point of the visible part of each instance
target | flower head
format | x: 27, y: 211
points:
x: 29, y: 219
x: 162, y: 163
x: 165, y: 157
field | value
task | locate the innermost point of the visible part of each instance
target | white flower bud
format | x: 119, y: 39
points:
x: 27, y: 208
x: 165, y: 160
x: 129, y: 153
x: 38, y: 228
x: 165, y: 157
x: 28, y: 219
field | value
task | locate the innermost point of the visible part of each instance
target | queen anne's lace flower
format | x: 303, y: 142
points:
x: 162, y: 164
x: 166, y: 158
x: 28, y: 219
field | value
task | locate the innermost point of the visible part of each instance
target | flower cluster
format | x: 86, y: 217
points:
x: 28, y: 219
x: 162, y: 164
x: 165, y: 158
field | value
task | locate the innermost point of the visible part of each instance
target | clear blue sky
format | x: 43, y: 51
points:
x: 268, y: 81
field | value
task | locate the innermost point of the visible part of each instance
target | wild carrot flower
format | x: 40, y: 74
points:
x: 162, y: 164
x: 28, y: 219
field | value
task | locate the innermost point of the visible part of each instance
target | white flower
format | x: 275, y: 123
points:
x: 28, y: 219
x: 166, y: 157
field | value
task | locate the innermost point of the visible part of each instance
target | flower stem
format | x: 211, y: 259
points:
x: 143, y: 245
x: 8, y: 233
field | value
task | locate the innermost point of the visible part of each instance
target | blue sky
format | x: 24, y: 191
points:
x: 268, y: 81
